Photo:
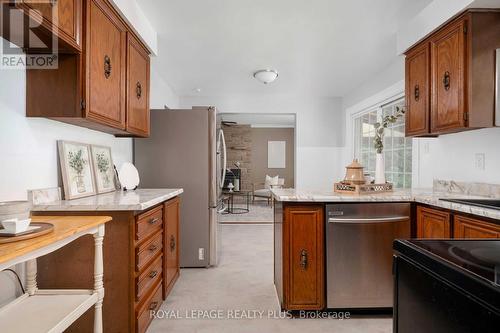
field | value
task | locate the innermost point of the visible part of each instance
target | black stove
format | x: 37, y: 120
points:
x: 486, y: 203
x: 447, y: 286
x: 480, y: 257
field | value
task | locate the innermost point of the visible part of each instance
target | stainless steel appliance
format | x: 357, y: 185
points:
x: 187, y: 149
x: 359, y: 252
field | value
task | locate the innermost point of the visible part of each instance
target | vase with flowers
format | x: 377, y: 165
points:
x: 379, y: 142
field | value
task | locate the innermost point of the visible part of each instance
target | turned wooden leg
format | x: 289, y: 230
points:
x: 31, y: 286
x: 98, y: 278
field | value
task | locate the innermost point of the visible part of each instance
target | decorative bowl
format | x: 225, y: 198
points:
x: 15, y: 226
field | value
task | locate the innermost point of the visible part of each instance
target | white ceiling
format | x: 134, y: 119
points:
x: 319, y: 47
x: 260, y: 119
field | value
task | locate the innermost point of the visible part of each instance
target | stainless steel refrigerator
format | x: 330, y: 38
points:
x: 187, y: 149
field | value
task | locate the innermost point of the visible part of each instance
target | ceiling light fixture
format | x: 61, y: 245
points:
x: 266, y: 75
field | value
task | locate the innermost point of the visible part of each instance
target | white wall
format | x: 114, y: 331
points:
x: 319, y: 131
x: 161, y: 94
x: 452, y: 156
x: 28, y: 149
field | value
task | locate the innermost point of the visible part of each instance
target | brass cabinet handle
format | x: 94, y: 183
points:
x: 417, y: 92
x: 303, y: 259
x: 153, y: 248
x: 154, y: 220
x: 107, y: 66
x: 172, y: 243
x: 153, y: 306
x: 153, y: 274
x: 446, y: 80
x: 138, y: 90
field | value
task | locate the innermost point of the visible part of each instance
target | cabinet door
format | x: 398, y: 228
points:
x: 465, y: 227
x: 137, y: 88
x: 448, y: 73
x: 417, y: 90
x: 432, y: 223
x: 64, y: 14
x: 171, y: 244
x: 106, y: 51
x: 303, y: 257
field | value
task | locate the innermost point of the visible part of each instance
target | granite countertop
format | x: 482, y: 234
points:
x: 138, y: 200
x: 425, y: 196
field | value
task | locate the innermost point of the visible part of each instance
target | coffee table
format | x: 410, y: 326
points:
x: 231, y: 209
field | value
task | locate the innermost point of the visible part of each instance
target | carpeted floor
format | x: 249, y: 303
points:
x: 260, y: 212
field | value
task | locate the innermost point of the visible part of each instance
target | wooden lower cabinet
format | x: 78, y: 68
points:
x: 137, y: 264
x: 171, y: 213
x: 433, y: 223
x: 302, y: 263
x: 466, y: 227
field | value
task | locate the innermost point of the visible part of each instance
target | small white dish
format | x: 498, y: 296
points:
x: 15, y: 226
x: 128, y: 176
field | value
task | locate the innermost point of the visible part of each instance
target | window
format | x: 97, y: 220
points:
x: 397, y: 148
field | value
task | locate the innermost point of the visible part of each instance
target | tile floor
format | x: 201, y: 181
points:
x: 243, y: 281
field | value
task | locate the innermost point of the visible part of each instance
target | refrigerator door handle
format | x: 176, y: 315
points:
x: 224, y: 164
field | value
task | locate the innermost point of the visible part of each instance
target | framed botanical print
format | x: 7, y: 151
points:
x: 103, y: 169
x: 76, y: 169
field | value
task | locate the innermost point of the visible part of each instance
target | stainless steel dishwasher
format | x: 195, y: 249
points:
x: 359, y: 240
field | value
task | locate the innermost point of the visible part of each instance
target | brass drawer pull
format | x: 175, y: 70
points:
x: 153, y: 306
x: 154, y: 220
x: 172, y: 243
x: 138, y: 90
x: 107, y: 66
x: 303, y: 259
x: 153, y: 248
x: 153, y: 274
x: 446, y: 80
x: 417, y: 92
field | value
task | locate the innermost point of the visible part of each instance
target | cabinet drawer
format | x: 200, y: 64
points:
x: 151, y: 304
x: 148, y: 278
x: 147, y: 251
x: 148, y: 223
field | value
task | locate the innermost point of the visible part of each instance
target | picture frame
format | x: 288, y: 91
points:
x: 76, y: 169
x: 103, y: 166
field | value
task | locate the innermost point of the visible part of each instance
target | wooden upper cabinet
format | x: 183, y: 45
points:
x: 63, y: 15
x: 303, y: 247
x: 466, y: 227
x: 105, y: 85
x: 448, y: 75
x: 457, y: 63
x: 433, y: 223
x: 106, y: 56
x: 137, y: 88
x: 417, y: 91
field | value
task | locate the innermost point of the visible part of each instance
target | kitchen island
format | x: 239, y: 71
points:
x: 300, y: 233
x: 141, y: 260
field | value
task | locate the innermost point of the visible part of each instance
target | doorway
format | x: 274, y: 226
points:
x: 261, y: 154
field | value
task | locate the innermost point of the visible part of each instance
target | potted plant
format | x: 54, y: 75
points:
x: 379, y: 142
